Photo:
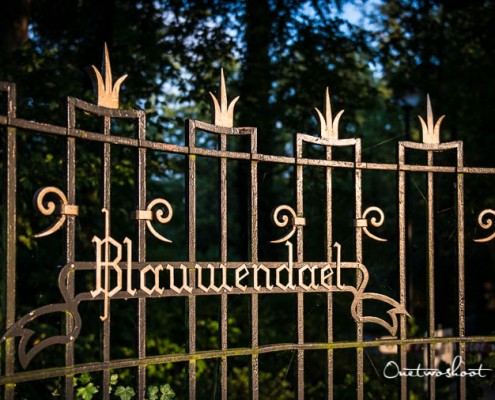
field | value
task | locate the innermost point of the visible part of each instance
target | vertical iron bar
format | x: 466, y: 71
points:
x: 300, y: 257
x: 359, y: 258
x: 460, y: 255
x: 223, y: 258
x: 300, y: 340
x: 329, y: 245
x: 431, y: 272
x: 254, y: 258
x: 141, y: 234
x: 10, y: 234
x: 191, y: 244
x: 106, y: 204
x: 70, y: 165
x: 402, y: 268
x: 254, y: 344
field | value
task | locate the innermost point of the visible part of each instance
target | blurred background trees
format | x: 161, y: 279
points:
x: 279, y: 56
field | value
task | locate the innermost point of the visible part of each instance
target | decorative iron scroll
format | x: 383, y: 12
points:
x: 290, y: 276
x: 363, y: 222
x: 48, y: 208
x: 147, y: 215
x: 327, y: 271
x: 485, y: 220
x: 19, y: 329
x: 284, y: 221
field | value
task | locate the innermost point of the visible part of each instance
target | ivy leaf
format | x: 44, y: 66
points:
x: 167, y: 392
x: 125, y: 393
x: 114, y: 379
x: 87, y: 392
x: 84, y: 378
x: 153, y: 392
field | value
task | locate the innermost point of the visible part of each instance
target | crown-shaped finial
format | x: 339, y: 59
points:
x: 107, y: 94
x: 431, y: 133
x: 223, y: 115
x: 329, y: 129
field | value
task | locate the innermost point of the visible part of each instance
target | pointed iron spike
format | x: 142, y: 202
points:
x: 335, y: 126
x: 223, y: 91
x: 98, y: 84
x: 429, y: 115
x: 424, y: 128
x: 216, y: 108
x: 328, y: 109
x: 116, y: 87
x: 106, y: 68
x: 230, y: 109
x: 323, y: 124
x: 436, y: 132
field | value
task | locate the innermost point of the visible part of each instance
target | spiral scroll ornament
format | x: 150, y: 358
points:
x: 485, y: 220
x: 363, y: 222
x: 48, y: 207
x: 159, y: 215
x: 288, y: 216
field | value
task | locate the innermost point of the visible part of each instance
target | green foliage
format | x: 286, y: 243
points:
x: 83, y: 379
x: 164, y: 392
x: 153, y: 392
x: 114, y: 378
x: 87, y: 392
x: 86, y: 389
x: 125, y: 393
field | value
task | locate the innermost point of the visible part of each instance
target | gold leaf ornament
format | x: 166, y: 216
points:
x: 223, y: 113
x: 431, y: 132
x: 106, y: 93
x: 329, y: 127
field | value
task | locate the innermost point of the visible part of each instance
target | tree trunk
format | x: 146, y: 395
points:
x: 14, y: 24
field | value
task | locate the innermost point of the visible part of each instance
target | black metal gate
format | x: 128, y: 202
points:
x: 119, y: 273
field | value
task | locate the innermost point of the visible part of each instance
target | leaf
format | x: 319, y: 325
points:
x: 153, y: 392
x: 114, y: 378
x: 87, y: 392
x: 84, y: 378
x: 125, y: 393
x: 167, y: 392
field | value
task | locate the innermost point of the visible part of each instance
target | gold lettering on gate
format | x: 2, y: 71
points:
x: 289, y: 276
x: 184, y: 286
x: 107, y: 243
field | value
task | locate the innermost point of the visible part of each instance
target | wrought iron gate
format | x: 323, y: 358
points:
x: 120, y: 269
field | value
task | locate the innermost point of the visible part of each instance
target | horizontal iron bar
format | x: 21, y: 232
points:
x: 37, y: 126
x: 171, y: 148
x: 206, y: 127
x: 98, y: 137
x: 209, y: 354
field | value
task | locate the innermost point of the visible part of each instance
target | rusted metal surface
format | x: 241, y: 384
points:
x: 9, y: 231
x: 137, y: 279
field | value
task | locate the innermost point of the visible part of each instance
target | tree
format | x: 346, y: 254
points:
x: 445, y: 49
x: 279, y: 56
